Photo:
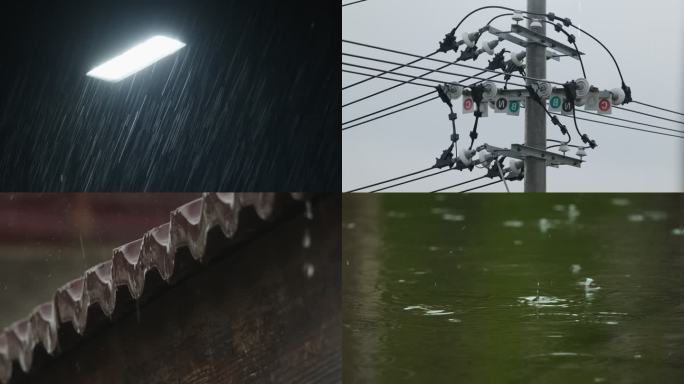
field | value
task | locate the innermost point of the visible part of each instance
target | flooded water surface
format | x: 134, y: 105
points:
x: 484, y: 288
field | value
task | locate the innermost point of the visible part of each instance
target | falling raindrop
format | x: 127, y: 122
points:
x: 306, y: 241
x: 309, y: 211
x: 308, y: 270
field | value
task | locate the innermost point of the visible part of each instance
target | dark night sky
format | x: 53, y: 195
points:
x: 251, y: 103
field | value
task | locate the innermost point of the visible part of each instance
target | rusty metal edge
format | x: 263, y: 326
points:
x: 188, y: 228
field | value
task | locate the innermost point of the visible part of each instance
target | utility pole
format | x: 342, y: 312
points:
x: 535, y: 117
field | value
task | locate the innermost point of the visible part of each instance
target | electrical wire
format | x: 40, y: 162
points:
x: 412, y: 180
x: 467, y: 78
x: 574, y: 120
x: 603, y: 116
x: 410, y: 81
x: 353, y: 2
x: 415, y: 61
x: 403, y: 109
x: 543, y: 105
x: 390, y: 180
x: 421, y: 76
x: 459, y: 184
x: 449, y: 63
x: 426, y: 69
x: 387, y: 71
x: 604, y: 47
x: 563, y: 143
x: 390, y: 113
x: 490, y: 7
x: 473, y: 133
x: 387, y: 108
x: 660, y: 108
x: 630, y: 121
x: 422, y: 57
x: 498, y: 16
x: 622, y: 126
x: 385, y: 78
x: 481, y: 186
x: 648, y: 114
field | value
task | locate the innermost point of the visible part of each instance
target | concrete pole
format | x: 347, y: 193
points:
x: 535, y: 117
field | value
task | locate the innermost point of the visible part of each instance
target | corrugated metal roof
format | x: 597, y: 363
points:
x: 157, y: 250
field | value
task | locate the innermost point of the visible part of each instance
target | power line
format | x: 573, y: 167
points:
x: 411, y: 78
x: 653, y: 106
x: 412, y: 180
x: 390, y: 113
x: 459, y: 184
x: 648, y: 114
x: 390, y: 70
x: 410, y: 81
x: 481, y: 186
x: 403, y: 109
x: 428, y: 69
x: 605, y: 116
x: 403, y: 102
x: 386, y: 78
x: 630, y: 121
x: 387, y: 108
x: 498, y: 16
x: 449, y: 63
x: 623, y: 126
x: 390, y: 180
x: 353, y: 2
x: 432, y: 54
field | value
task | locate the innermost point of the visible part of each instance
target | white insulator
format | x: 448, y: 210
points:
x: 581, y: 153
x: 454, y: 91
x: 544, y: 90
x: 517, y: 16
x: 515, y: 168
x: 470, y: 38
x: 536, y: 23
x: 580, y: 102
x: 485, y: 156
x: 518, y: 58
x: 489, y: 46
x: 564, y: 148
x: 617, y: 96
x: 466, y: 156
x: 490, y: 91
x: 583, y: 87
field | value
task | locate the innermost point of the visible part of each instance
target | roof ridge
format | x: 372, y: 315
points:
x: 157, y: 250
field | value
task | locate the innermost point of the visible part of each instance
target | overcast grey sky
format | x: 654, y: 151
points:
x: 644, y: 36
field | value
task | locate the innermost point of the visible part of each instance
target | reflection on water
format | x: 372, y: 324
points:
x: 495, y: 288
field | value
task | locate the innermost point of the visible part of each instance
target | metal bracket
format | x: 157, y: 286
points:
x: 531, y: 37
x: 519, y: 151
